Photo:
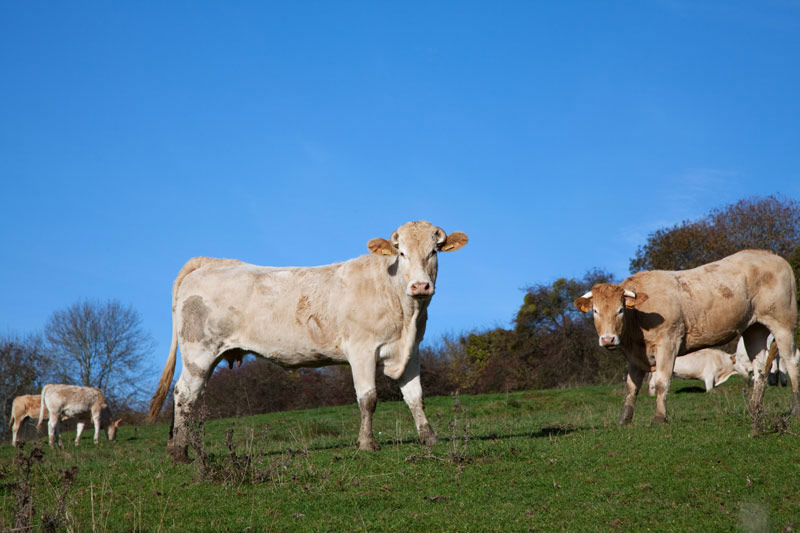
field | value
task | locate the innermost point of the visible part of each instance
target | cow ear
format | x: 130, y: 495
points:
x: 381, y: 247
x: 638, y: 300
x: 116, y: 422
x: 583, y: 304
x: 454, y: 241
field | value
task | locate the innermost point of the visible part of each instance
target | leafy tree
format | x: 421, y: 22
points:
x: 99, y: 345
x: 768, y: 223
x: 22, y: 367
x: 561, y: 340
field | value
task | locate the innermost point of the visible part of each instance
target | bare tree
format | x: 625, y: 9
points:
x: 99, y: 345
x: 22, y: 367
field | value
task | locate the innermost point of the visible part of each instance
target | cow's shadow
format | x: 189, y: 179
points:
x: 691, y: 389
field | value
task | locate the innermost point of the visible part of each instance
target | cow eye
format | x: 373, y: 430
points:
x: 594, y: 310
x: 402, y: 255
x: 619, y: 311
x: 433, y: 252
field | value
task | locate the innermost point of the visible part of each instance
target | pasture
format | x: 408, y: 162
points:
x: 539, y: 460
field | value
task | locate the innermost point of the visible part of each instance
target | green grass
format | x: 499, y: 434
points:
x: 541, y: 460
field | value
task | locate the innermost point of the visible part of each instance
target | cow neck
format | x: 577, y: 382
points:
x: 414, y: 311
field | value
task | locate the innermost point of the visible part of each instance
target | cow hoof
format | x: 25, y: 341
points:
x: 369, y: 446
x: 179, y: 454
x: 659, y: 419
x: 626, y: 416
x: 427, y: 436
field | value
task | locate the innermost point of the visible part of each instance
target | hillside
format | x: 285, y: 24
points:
x: 543, y: 460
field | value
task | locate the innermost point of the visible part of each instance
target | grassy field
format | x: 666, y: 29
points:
x: 540, y: 460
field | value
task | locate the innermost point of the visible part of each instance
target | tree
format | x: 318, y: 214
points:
x: 99, y: 345
x: 762, y: 223
x: 561, y: 340
x: 23, y: 366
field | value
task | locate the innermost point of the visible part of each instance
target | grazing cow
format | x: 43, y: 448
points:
x: 72, y: 401
x: 658, y: 315
x: 777, y: 367
x: 710, y: 365
x: 25, y: 406
x: 369, y: 312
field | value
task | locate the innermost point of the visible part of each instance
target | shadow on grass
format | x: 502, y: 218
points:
x: 690, y: 390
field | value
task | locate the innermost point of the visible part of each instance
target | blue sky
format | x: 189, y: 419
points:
x: 134, y: 136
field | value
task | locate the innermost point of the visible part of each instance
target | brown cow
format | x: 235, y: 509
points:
x: 68, y: 401
x: 24, y: 406
x: 369, y: 312
x: 658, y: 315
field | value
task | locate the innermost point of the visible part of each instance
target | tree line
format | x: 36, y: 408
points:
x: 549, y: 344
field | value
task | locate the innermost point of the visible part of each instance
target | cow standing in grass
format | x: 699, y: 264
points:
x: 659, y: 315
x: 72, y: 401
x: 369, y: 312
x: 24, y: 406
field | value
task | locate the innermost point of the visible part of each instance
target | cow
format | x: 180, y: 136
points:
x: 24, y: 406
x: 777, y: 369
x: 656, y: 316
x: 710, y: 365
x: 369, y: 312
x: 73, y: 401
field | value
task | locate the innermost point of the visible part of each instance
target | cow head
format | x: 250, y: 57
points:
x: 416, y: 245
x: 608, y: 303
x: 111, y: 430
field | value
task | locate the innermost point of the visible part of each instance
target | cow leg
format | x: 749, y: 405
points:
x: 633, y: 383
x: 78, y: 430
x: 15, y: 431
x: 364, y: 383
x: 708, y: 380
x: 54, y: 431
x: 411, y: 388
x: 755, y: 342
x: 665, y: 364
x: 96, y: 421
x: 187, y: 391
x: 790, y: 357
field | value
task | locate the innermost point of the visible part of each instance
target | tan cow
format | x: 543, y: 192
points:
x: 658, y: 315
x: 369, y: 312
x: 73, y: 401
x: 24, y: 406
x: 710, y: 365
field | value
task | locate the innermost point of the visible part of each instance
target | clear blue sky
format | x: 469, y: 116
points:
x: 557, y: 135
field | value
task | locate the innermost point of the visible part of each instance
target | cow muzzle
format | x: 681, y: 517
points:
x: 609, y: 341
x: 420, y: 289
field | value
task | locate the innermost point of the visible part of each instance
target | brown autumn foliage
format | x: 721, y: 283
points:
x: 767, y: 223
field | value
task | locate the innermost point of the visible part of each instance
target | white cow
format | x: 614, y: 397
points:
x: 369, y: 312
x: 72, y: 401
x: 777, y: 371
x: 710, y: 365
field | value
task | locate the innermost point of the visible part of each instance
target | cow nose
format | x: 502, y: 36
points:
x: 420, y: 288
x: 608, y: 340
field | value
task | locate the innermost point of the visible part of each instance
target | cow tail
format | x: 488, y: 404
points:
x: 169, y: 368
x: 773, y: 351
x: 41, y: 408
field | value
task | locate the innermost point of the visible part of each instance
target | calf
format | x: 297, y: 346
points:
x: 72, y: 401
x: 25, y: 406
x: 710, y: 365
x: 658, y: 315
x: 369, y: 312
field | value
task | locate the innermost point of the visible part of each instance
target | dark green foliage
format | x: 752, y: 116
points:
x: 768, y: 223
